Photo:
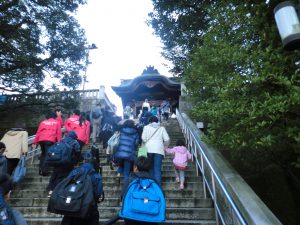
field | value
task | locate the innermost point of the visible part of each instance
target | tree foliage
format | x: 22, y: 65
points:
x: 247, y: 88
x: 40, y: 39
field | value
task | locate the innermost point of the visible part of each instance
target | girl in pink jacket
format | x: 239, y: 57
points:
x: 180, y: 161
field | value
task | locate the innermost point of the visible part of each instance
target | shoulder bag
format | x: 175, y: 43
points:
x: 143, y: 149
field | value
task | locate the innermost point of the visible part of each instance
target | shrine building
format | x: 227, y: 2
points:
x: 149, y: 85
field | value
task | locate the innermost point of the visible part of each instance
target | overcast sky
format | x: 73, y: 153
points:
x: 126, y: 45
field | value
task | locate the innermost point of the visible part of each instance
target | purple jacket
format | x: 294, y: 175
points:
x: 182, y: 155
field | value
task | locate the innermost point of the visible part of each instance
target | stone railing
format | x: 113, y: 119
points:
x: 91, y: 96
x: 48, y: 96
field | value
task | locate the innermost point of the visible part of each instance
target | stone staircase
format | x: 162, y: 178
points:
x: 183, y: 207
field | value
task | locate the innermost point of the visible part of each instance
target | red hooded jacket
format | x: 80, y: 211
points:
x: 49, y: 130
x: 83, y: 131
x: 60, y: 120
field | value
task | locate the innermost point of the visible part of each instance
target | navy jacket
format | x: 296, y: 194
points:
x: 71, y: 139
x: 129, y: 140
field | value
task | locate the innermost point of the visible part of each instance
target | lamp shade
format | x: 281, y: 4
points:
x: 288, y: 25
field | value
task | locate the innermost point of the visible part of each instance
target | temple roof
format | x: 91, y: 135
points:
x: 150, y: 84
x: 150, y: 77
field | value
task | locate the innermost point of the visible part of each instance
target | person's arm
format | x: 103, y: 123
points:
x: 37, y: 135
x: 59, y: 118
x: 170, y: 151
x: 58, y: 132
x: 166, y: 138
x: 189, y: 155
x: 24, y: 143
x: 98, y: 185
x: 66, y: 125
x: 137, y: 139
x: 87, y: 132
x: 91, y: 115
x: 145, y: 134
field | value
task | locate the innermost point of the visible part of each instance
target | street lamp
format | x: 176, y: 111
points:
x: 288, y: 24
x: 87, y: 62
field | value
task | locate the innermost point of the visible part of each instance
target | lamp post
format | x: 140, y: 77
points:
x: 87, y: 62
x: 287, y: 21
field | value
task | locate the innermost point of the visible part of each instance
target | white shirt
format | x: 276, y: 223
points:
x: 146, y: 104
x: 159, y: 141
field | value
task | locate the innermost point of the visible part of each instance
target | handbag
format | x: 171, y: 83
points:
x: 113, y: 142
x: 143, y: 149
x: 20, y: 171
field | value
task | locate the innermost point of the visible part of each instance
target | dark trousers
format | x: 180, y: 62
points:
x: 43, y: 169
x: 58, y: 174
x: 166, y: 115
x: 105, y: 137
x: 12, y: 164
x: 81, y: 144
x: 91, y: 220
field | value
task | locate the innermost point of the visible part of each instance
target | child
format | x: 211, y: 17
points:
x: 62, y: 171
x: 8, y: 215
x: 181, y: 157
x: 96, y: 178
x: 3, y: 160
x: 140, y: 170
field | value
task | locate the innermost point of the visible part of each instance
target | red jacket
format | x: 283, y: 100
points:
x: 83, y: 131
x: 60, y: 120
x: 49, y: 130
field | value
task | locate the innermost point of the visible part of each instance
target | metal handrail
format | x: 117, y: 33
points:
x: 32, y: 152
x: 234, y: 201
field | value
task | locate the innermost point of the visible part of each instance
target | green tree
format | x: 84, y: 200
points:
x: 180, y: 24
x: 245, y: 85
x: 39, y: 39
x: 246, y: 88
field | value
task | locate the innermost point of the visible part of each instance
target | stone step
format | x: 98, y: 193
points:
x: 105, y: 167
x: 172, y: 192
x: 106, y: 171
x: 110, y: 185
x: 57, y: 221
x: 115, y: 202
x: 34, y: 176
x: 166, y: 177
x: 108, y: 212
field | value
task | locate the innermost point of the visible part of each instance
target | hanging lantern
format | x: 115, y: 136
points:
x: 288, y: 25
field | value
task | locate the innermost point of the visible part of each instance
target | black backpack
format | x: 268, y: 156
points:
x: 96, y: 114
x: 73, y: 196
x: 59, y: 154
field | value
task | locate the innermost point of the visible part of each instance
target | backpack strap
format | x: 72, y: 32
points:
x: 152, y: 134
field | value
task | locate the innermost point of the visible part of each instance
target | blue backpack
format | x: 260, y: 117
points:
x: 144, y: 201
x: 59, y: 154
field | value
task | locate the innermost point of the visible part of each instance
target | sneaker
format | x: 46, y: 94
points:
x: 49, y: 194
x: 181, y: 187
x: 177, y: 179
